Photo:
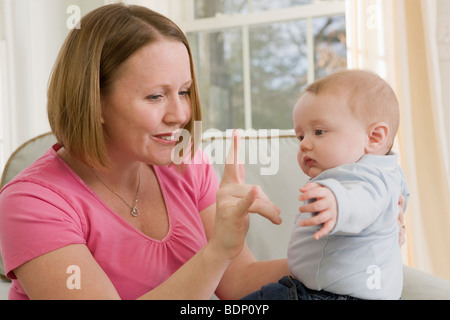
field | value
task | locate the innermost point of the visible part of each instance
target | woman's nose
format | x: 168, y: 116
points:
x: 178, y: 110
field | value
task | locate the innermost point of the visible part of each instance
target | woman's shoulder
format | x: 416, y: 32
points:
x: 49, y: 172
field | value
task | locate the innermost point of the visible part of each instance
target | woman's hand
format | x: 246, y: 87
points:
x: 235, y: 200
x: 401, y: 221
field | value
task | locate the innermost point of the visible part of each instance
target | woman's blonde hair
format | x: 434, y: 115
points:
x: 86, y: 68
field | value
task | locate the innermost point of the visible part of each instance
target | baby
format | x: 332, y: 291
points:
x: 346, y: 124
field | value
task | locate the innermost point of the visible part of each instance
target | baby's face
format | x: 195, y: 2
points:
x: 330, y: 135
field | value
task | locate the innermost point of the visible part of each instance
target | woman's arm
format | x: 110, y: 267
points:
x: 401, y: 221
x: 244, y: 275
x: 46, y: 277
x: 226, y: 263
x: 226, y: 225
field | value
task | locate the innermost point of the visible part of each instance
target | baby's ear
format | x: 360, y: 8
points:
x: 378, y: 135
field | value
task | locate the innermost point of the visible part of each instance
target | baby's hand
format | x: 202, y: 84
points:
x: 325, y: 205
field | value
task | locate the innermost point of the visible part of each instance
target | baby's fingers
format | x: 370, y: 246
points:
x: 309, y: 186
x: 313, y: 191
x: 318, y: 219
x: 326, y: 219
x: 326, y: 229
x: 315, y: 206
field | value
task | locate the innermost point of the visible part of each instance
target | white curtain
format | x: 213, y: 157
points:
x: 33, y: 32
x: 397, y: 39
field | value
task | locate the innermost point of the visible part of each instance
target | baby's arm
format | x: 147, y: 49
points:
x: 325, y: 205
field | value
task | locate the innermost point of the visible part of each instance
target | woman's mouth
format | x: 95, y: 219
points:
x: 167, y: 138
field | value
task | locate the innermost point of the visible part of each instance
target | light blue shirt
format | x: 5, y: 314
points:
x: 361, y: 256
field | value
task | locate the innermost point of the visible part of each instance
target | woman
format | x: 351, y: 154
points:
x: 106, y: 199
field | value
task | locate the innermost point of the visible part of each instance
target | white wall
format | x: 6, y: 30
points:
x: 34, y: 36
x: 34, y: 31
x: 31, y: 35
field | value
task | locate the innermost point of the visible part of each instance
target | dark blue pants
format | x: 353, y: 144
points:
x: 289, y: 288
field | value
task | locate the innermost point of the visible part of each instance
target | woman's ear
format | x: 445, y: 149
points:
x: 377, y: 138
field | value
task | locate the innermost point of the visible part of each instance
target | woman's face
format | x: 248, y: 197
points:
x: 148, y: 103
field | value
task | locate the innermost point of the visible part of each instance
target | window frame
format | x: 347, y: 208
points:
x: 308, y: 12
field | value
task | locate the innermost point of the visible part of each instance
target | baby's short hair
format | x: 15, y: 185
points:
x: 369, y: 97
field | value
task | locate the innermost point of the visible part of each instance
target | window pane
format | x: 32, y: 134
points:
x: 262, y: 5
x: 218, y: 63
x: 210, y: 8
x: 278, y: 62
x: 279, y: 70
x: 330, y: 45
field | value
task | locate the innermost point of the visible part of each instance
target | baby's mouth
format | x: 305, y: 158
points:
x: 309, y: 162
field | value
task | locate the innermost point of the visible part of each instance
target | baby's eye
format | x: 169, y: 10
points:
x: 300, y: 138
x: 320, y: 132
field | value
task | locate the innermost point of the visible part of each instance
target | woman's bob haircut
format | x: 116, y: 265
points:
x: 87, y: 66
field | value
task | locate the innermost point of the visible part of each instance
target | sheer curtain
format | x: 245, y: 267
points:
x: 397, y: 39
x: 32, y: 32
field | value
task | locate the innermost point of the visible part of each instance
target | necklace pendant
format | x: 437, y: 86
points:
x: 135, y: 212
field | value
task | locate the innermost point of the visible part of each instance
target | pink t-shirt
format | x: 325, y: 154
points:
x: 48, y: 206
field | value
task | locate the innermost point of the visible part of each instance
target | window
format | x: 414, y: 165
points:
x: 253, y: 57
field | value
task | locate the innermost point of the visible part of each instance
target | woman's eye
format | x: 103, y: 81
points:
x: 184, y: 93
x: 155, y: 97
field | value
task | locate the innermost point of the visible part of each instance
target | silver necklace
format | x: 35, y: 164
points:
x: 134, y: 209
